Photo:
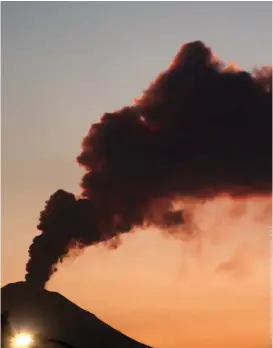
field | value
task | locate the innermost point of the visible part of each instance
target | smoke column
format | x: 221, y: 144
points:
x: 199, y: 130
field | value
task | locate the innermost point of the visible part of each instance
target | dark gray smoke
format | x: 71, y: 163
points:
x: 200, y: 129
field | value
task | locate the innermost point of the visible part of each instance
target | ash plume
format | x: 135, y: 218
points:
x: 199, y: 130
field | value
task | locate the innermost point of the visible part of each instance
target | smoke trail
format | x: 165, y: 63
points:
x: 200, y: 129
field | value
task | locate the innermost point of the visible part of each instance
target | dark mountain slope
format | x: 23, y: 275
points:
x: 52, y: 315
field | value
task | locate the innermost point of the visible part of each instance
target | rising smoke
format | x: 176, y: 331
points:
x: 199, y: 130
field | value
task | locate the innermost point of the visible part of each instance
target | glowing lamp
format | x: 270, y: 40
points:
x: 22, y: 340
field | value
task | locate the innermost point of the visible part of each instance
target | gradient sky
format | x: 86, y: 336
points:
x: 65, y: 64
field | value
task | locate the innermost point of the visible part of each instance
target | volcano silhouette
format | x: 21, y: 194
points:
x: 52, y: 315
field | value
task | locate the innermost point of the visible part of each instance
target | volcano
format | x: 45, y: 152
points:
x: 52, y: 315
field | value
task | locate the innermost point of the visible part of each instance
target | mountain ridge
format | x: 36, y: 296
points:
x: 50, y: 313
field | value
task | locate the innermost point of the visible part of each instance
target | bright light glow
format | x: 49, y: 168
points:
x: 22, y: 340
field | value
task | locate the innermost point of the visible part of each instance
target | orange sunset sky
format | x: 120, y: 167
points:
x: 63, y: 65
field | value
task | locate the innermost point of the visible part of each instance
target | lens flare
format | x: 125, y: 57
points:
x: 22, y: 340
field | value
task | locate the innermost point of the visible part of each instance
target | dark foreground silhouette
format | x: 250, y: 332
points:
x: 52, y: 315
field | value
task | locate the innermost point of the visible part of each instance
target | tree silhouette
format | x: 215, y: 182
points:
x: 6, y: 329
x: 7, y: 332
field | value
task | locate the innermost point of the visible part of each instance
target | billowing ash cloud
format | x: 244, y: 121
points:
x: 200, y: 129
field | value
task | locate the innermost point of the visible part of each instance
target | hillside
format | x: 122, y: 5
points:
x: 54, y: 316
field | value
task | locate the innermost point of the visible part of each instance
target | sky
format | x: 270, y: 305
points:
x: 63, y: 65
